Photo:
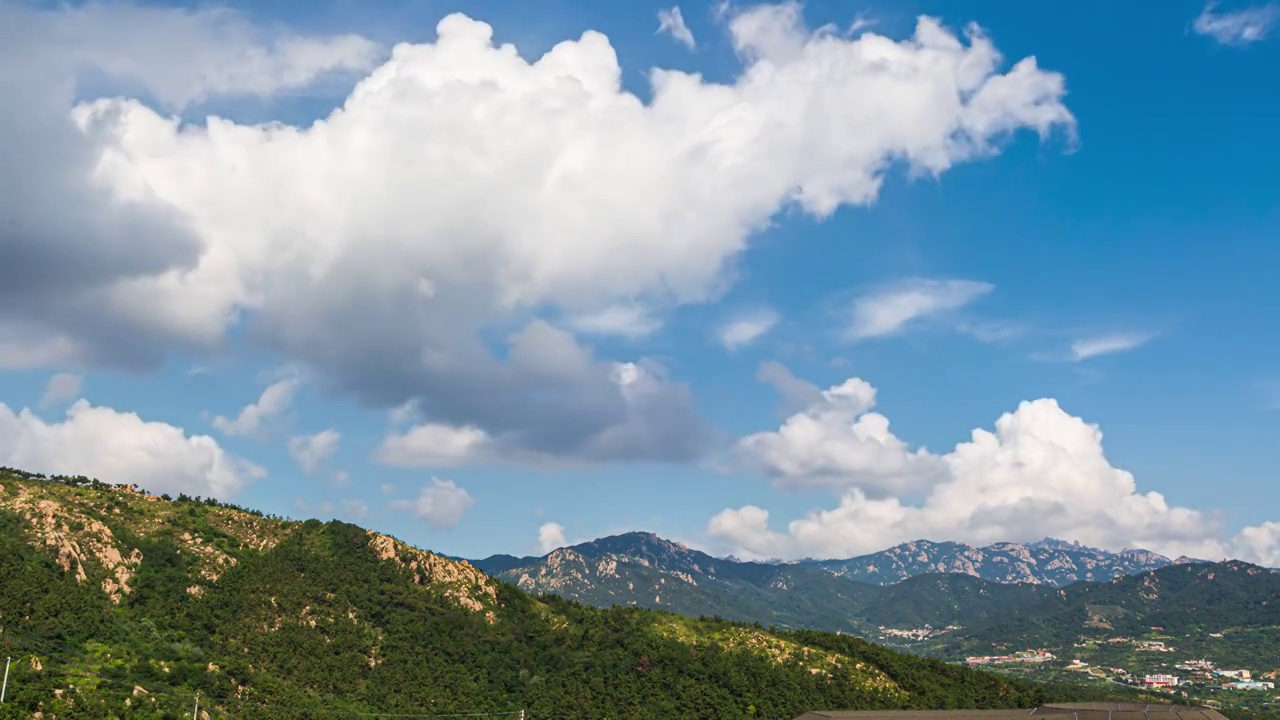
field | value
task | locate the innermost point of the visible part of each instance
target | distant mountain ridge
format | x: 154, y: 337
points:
x: 1049, y: 561
x: 909, y: 585
x: 1052, y: 562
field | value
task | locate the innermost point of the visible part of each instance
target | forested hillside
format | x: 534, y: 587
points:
x: 115, y: 603
x: 1200, y: 598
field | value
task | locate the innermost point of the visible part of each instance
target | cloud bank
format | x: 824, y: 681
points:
x: 1040, y: 471
x: 459, y: 204
x: 122, y: 448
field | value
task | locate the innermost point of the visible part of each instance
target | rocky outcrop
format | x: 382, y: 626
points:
x: 79, y: 543
x: 457, y: 579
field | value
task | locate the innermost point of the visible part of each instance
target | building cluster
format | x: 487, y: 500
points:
x: 1205, y: 670
x: 1249, y: 685
x: 923, y: 633
x: 1024, y: 656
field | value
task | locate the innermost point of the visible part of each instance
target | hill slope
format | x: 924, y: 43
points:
x: 1197, y: 599
x: 114, y: 602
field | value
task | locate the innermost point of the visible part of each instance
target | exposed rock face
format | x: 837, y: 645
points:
x: 466, y: 585
x: 79, y: 543
x: 75, y: 526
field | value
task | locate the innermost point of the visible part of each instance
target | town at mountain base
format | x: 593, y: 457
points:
x: 116, y: 603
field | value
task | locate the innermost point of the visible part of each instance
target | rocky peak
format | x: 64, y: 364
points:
x: 646, y: 548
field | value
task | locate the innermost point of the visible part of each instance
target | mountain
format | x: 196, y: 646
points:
x: 1187, y: 599
x: 642, y: 569
x: 114, y: 602
x: 1048, y: 562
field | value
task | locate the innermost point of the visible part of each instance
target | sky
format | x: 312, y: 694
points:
x: 773, y: 280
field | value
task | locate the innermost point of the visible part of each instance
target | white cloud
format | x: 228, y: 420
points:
x: 837, y: 442
x: 672, y: 22
x: 310, y: 451
x: 1238, y: 27
x: 551, y: 536
x: 748, y: 328
x: 61, y: 388
x: 630, y: 321
x: 122, y: 448
x: 1259, y: 544
x: 480, y: 193
x: 256, y: 416
x: 1041, y: 472
x: 1091, y: 347
x: 441, y: 503
x: 434, y: 445
x: 889, y: 309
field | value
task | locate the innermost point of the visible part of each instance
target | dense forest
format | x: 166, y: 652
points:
x: 115, y: 603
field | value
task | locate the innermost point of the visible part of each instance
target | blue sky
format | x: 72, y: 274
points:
x: 1097, y: 229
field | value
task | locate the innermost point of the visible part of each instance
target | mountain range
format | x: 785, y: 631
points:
x: 910, y: 585
x: 118, y: 603
x: 1051, y: 562
x: 942, y: 599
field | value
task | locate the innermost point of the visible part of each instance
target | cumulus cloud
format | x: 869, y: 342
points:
x: 1040, y: 472
x: 888, y: 309
x: 122, y: 448
x: 838, y: 442
x: 434, y: 444
x: 311, y: 451
x: 747, y: 328
x: 1091, y: 347
x: 440, y: 502
x: 671, y: 21
x: 481, y: 194
x: 1260, y: 544
x: 61, y: 388
x: 1237, y: 27
x: 255, y: 417
x: 70, y: 243
x: 551, y: 536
